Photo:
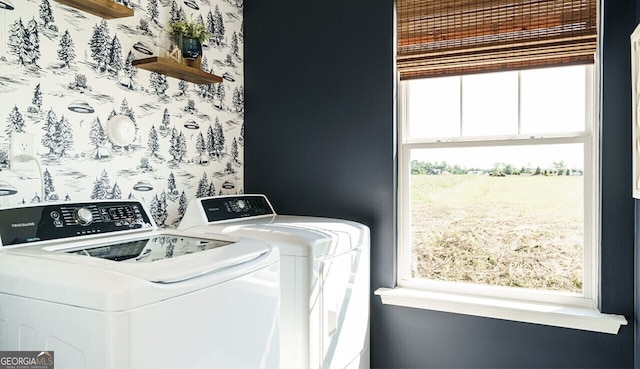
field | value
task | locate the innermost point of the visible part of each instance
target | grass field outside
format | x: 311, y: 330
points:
x: 518, y: 231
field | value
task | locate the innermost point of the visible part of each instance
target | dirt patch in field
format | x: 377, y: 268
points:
x: 518, y: 233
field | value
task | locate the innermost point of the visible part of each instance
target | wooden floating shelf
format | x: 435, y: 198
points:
x: 106, y: 9
x: 174, y: 69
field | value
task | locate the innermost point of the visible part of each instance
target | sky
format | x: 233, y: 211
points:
x: 517, y: 156
x: 534, y: 103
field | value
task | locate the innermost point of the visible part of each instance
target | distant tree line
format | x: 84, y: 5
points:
x: 558, y: 168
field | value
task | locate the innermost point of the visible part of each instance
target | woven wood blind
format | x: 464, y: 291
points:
x: 454, y: 37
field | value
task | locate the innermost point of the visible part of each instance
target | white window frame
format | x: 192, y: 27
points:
x: 578, y: 311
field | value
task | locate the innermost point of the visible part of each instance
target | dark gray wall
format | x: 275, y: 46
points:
x: 320, y: 141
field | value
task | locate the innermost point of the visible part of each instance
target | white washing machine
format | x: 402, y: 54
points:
x: 324, y: 277
x: 102, y: 287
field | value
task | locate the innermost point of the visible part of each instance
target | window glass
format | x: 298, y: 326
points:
x: 490, y: 104
x: 553, y: 100
x: 503, y: 216
x: 486, y: 198
x: 434, y: 108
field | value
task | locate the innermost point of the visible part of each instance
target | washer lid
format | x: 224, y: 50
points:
x: 97, y: 277
x: 161, y: 257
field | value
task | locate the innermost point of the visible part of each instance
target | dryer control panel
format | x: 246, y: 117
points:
x: 235, y: 207
x: 56, y: 221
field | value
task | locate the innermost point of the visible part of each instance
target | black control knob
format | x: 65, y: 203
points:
x: 83, y: 216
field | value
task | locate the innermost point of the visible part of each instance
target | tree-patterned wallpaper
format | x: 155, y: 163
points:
x: 64, y: 73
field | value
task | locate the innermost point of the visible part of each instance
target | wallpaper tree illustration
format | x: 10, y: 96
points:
x: 97, y: 135
x: 178, y: 148
x: 66, y: 54
x: 130, y: 73
x: 171, y: 183
x: 183, y: 87
x: 164, y: 125
x: 115, y: 56
x: 201, y: 146
x: 235, y: 46
x: 36, y: 100
x: 127, y: 110
x: 191, y: 106
x: 215, y: 136
x: 204, y: 65
x: 219, y: 95
x: 63, y: 85
x: 229, y: 60
x: 182, y: 207
x: 215, y: 26
x: 116, y: 193
x: 238, y: 99
x: 158, y: 209
x: 203, y: 186
x: 32, y: 42
x: 145, y: 166
x: 235, y: 152
x: 200, y: 20
x: 176, y: 13
x: 24, y: 42
x: 47, y: 139
x: 158, y: 83
x: 15, y: 123
x: 79, y: 83
x: 58, y: 136
x: 98, y: 138
x: 124, y: 2
x: 101, y: 187
x: 210, y: 143
x: 207, y: 92
x: 152, y: 11
x: 46, y: 15
x: 49, y: 188
x: 63, y: 136
x: 99, y: 44
x: 152, y: 143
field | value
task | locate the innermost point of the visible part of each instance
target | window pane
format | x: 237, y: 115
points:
x: 490, y: 104
x: 553, y: 100
x: 502, y: 216
x: 434, y: 107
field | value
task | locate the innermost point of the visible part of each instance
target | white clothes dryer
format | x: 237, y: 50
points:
x: 324, y: 278
x: 102, y: 287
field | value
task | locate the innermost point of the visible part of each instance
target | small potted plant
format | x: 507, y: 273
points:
x: 188, y: 35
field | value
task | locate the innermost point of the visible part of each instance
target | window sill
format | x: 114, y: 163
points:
x: 583, y: 318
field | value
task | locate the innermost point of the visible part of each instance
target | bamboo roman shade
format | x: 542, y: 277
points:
x: 453, y: 37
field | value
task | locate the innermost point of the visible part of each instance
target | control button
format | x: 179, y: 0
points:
x: 240, y: 204
x: 55, y: 215
x: 83, y: 216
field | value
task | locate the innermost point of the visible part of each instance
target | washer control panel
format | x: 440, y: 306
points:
x: 235, y: 207
x: 55, y: 221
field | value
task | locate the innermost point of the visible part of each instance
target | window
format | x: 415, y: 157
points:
x: 498, y: 161
x: 498, y: 197
x: 493, y: 174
